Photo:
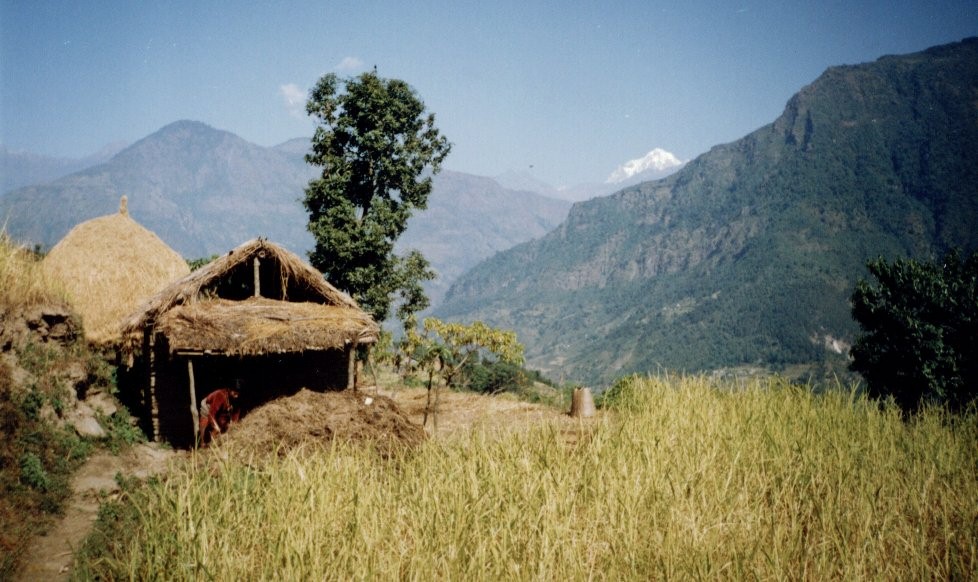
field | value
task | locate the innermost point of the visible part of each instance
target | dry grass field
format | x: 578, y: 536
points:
x: 682, y: 478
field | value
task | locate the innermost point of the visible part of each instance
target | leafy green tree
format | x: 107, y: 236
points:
x: 446, y: 349
x: 378, y: 150
x: 920, y: 324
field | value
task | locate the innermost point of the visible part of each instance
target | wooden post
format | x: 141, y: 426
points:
x: 193, y: 400
x: 154, y: 406
x: 351, y: 365
x: 257, y: 265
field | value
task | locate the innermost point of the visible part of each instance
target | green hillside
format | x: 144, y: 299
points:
x: 748, y: 255
x: 470, y: 218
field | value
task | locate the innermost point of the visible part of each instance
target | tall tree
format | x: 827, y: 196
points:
x: 920, y: 324
x: 378, y: 150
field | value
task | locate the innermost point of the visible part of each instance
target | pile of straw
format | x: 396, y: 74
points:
x: 109, y: 266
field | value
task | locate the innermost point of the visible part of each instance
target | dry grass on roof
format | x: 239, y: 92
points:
x: 294, y: 273
x: 109, y: 266
x: 260, y: 326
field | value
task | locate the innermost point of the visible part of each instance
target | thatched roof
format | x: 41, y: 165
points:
x: 262, y: 326
x: 213, y: 310
x: 109, y: 266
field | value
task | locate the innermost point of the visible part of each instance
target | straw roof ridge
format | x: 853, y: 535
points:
x: 191, y: 288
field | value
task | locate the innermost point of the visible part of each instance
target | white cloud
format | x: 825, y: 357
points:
x: 349, y: 64
x: 294, y: 97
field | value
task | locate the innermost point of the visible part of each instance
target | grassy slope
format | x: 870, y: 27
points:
x: 38, y: 454
x: 685, y: 480
x: 34, y: 462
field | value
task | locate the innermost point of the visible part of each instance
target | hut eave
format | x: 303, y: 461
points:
x: 261, y: 326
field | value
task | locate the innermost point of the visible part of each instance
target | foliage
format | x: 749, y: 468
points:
x: 121, y: 430
x: 686, y: 479
x: 195, y: 264
x: 920, y: 324
x: 447, y: 348
x: 494, y: 377
x: 32, y: 472
x: 374, y: 144
x: 36, y: 460
x: 38, y: 452
x: 410, y: 271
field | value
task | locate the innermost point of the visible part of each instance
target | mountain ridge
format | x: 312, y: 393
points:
x: 748, y: 254
x: 21, y: 168
x: 204, y: 191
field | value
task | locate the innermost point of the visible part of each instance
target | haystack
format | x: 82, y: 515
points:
x: 109, y: 266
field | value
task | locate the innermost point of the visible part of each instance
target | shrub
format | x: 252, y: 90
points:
x: 32, y: 472
x: 920, y: 324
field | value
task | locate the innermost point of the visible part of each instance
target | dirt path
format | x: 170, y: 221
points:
x: 464, y: 411
x: 50, y: 556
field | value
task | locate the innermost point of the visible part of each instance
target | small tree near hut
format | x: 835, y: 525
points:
x: 378, y: 150
x: 444, y: 349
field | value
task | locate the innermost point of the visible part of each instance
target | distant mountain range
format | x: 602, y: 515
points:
x: 204, y: 191
x: 654, y: 165
x: 18, y: 169
x: 749, y: 253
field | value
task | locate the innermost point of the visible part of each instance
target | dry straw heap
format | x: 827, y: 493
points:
x: 109, y: 266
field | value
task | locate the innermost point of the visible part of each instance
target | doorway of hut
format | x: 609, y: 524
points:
x: 258, y: 379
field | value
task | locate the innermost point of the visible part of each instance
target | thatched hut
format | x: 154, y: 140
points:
x: 259, y: 319
x: 109, y: 266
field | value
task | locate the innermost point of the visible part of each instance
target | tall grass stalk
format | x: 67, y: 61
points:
x: 22, y: 281
x: 687, y: 480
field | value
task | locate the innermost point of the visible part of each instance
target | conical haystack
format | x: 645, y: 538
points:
x: 109, y: 266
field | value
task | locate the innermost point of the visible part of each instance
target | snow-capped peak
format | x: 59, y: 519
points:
x: 658, y: 160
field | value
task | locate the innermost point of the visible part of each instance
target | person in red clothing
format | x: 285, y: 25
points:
x: 217, y: 411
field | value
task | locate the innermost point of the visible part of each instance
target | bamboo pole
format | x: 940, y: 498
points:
x: 193, y: 400
x: 351, y: 366
x: 257, y: 267
x: 153, y: 402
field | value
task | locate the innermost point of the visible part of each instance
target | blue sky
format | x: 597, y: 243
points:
x: 572, y: 89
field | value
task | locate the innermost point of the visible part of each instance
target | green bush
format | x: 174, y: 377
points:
x: 495, y: 377
x: 32, y: 472
x: 920, y: 324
